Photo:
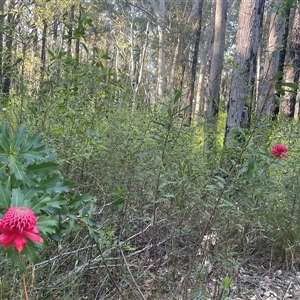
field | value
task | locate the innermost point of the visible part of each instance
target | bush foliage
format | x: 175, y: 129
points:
x: 166, y: 212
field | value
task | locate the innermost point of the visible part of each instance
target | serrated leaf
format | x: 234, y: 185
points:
x: 43, y: 169
x: 19, y: 137
x: 17, y: 198
x: 39, y: 203
x: 4, y: 196
x: 3, y: 167
x: 61, y: 187
x: 4, y: 129
x: 31, y: 252
x: 30, y: 180
x: 31, y: 156
x: 16, y: 167
x: 32, y: 142
x: 50, y: 181
x: 47, y: 225
x: 4, y: 145
x: 29, y: 193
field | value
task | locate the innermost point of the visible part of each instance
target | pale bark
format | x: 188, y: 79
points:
x: 214, y: 83
x: 70, y: 30
x: 160, y: 11
x: 267, y: 91
x: 2, y: 2
x: 174, y: 68
x: 282, y: 56
x: 194, y: 63
x: 7, y: 66
x: 242, y: 82
x: 141, y: 69
x: 205, y: 53
x: 293, y: 68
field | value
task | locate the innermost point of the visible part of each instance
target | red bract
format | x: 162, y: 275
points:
x: 18, y: 225
x: 279, y: 150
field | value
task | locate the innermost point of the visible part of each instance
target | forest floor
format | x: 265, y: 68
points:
x: 258, y: 283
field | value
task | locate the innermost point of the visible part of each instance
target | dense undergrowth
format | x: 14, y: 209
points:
x: 173, y: 213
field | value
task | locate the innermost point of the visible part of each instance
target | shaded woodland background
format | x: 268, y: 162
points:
x: 165, y: 111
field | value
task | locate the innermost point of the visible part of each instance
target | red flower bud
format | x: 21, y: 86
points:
x: 279, y: 150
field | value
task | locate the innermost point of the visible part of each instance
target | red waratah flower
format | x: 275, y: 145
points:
x: 18, y: 224
x: 279, y: 150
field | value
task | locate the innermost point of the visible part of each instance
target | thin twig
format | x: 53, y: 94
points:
x: 129, y: 271
x: 286, y: 291
x: 110, y: 274
x: 24, y: 286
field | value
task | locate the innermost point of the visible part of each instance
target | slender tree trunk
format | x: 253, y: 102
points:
x: 282, y: 56
x: 7, y: 66
x: 70, y: 29
x: 139, y: 79
x: 214, y: 83
x: 160, y: 12
x: 174, y: 68
x: 43, y: 50
x: 267, y: 91
x: 2, y: 24
x: 242, y: 82
x: 205, y: 53
x: 77, y: 48
x: 293, y: 68
x: 132, y: 59
x: 194, y: 63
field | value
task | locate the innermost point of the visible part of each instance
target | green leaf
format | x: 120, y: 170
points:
x: 278, y: 75
x: 19, y: 137
x: 30, y: 180
x: 50, y: 181
x: 47, y: 224
x: 43, y: 169
x: 17, y: 198
x: 4, y: 130
x: 14, y: 258
x: 32, y: 142
x: 4, y: 196
x: 31, y: 156
x: 16, y: 167
x: 31, y: 252
x: 29, y: 193
x: 290, y: 84
x: 61, y: 187
x: 39, y: 203
x: 279, y: 89
x: 4, y: 145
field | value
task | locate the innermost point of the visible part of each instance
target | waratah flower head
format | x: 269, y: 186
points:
x: 18, y: 225
x: 279, y: 150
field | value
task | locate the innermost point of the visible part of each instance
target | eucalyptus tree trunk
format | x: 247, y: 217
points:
x: 43, y: 50
x: 141, y: 69
x: 266, y: 93
x: 2, y: 2
x: 77, y: 44
x: 160, y: 11
x: 70, y: 29
x: 7, y: 64
x: 194, y: 64
x: 205, y: 53
x: 180, y: 59
x: 214, y: 83
x: 242, y: 82
x: 177, y: 58
x: 293, y: 67
x: 282, y: 56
